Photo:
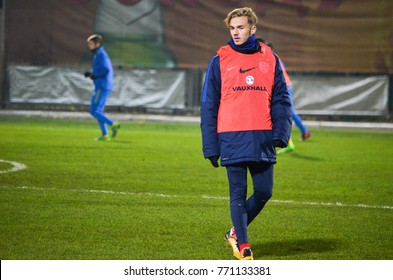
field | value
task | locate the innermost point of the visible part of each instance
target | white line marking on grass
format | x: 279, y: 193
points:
x: 16, y: 166
x: 328, y: 204
x: 338, y: 204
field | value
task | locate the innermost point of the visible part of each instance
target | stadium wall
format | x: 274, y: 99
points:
x: 2, y: 59
x: 179, y: 90
x: 343, y: 39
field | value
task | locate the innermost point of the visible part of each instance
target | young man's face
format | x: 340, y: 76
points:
x: 240, y: 29
x: 92, y: 45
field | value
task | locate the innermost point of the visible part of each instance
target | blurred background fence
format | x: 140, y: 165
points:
x: 339, y: 53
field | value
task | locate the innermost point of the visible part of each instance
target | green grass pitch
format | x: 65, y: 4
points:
x: 150, y: 195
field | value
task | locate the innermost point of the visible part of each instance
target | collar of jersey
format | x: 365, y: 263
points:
x: 250, y: 46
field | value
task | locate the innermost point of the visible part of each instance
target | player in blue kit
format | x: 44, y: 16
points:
x: 296, y: 118
x: 102, y: 76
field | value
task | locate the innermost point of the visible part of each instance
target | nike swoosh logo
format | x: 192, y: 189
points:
x: 246, y: 70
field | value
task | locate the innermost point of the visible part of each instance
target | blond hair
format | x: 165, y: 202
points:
x: 96, y: 38
x: 239, y: 12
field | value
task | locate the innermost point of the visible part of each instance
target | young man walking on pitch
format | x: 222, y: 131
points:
x: 102, y: 75
x: 245, y: 114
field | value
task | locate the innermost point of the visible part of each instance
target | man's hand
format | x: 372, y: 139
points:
x: 90, y: 75
x: 278, y: 144
x: 214, y: 161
